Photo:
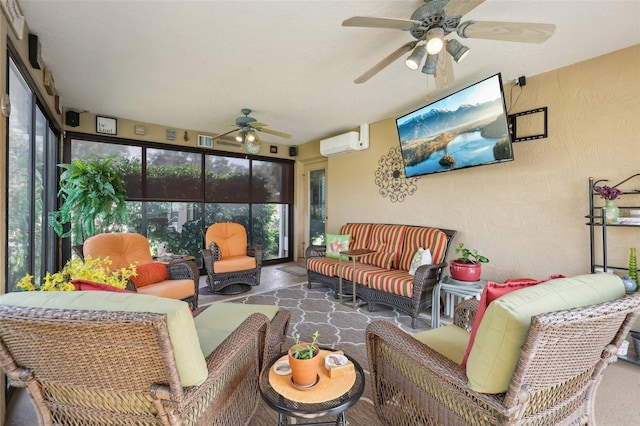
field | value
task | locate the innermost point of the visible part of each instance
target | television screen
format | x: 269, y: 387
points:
x: 465, y: 129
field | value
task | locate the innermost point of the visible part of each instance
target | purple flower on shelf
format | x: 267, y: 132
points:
x: 607, y: 192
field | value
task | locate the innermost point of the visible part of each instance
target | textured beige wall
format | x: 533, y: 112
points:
x: 527, y: 215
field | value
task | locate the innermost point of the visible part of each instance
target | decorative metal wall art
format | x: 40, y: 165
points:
x: 391, y: 179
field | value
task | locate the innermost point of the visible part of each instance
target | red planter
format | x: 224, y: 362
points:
x: 469, y: 272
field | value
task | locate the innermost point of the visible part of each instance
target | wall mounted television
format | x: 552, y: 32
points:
x: 465, y: 129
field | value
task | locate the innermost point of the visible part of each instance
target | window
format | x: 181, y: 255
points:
x: 173, y: 195
x: 31, y: 178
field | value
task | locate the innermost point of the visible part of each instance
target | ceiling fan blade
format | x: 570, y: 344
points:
x: 258, y: 124
x: 461, y: 7
x: 522, y: 32
x: 444, y: 74
x: 385, y: 62
x: 373, y: 22
x: 224, y: 134
x: 275, y: 133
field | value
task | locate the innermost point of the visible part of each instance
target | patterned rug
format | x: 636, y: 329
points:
x: 340, y: 326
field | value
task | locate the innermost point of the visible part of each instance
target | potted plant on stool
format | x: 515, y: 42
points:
x: 304, y: 361
x: 468, y: 266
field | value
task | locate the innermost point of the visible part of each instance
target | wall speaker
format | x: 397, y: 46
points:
x: 72, y: 119
x: 293, y: 151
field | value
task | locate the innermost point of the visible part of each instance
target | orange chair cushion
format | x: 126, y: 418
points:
x: 234, y: 263
x: 230, y: 237
x: 150, y: 273
x: 124, y: 249
x: 172, y: 289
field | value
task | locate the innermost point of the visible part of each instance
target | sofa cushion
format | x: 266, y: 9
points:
x: 490, y: 293
x: 219, y: 320
x: 503, y: 330
x: 450, y: 340
x: 394, y: 281
x: 363, y: 272
x: 359, y: 234
x: 337, y: 243
x: 150, y: 273
x: 386, y: 242
x: 189, y: 359
x: 419, y: 236
x: 326, y: 266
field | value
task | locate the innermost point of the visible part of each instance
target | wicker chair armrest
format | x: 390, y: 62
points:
x: 315, y: 251
x: 180, y: 271
x: 255, y: 251
x: 276, y: 342
x: 465, y: 313
x: 234, y: 367
x: 427, y: 277
x: 210, y: 255
x: 415, y: 367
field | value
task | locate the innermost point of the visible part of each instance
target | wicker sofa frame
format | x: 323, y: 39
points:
x: 118, y: 368
x: 425, y: 279
x: 231, y: 282
x: 555, y: 382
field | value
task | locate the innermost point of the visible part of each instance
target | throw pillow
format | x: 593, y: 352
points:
x: 422, y: 257
x: 337, y: 243
x: 491, y: 292
x: 84, y: 285
x: 150, y: 273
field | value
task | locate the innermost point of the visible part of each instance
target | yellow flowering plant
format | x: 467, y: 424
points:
x: 96, y: 270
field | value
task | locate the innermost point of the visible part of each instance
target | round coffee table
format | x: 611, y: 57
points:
x: 336, y: 406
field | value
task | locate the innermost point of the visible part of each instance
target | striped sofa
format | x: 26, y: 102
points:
x: 382, y: 277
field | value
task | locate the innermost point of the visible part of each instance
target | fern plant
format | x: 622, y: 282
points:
x: 92, y: 195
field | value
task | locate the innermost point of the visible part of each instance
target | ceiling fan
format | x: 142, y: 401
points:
x: 434, y: 20
x: 248, y: 128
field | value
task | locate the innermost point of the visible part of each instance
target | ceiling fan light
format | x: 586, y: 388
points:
x: 251, y: 137
x: 430, y: 65
x: 457, y: 50
x: 239, y: 137
x: 435, y: 40
x: 415, y: 59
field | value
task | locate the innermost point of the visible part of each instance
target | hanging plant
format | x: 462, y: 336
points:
x: 92, y: 195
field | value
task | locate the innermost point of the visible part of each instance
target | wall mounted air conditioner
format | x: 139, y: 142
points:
x: 346, y: 142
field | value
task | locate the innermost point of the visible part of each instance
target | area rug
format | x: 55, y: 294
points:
x: 340, y: 326
x: 298, y: 271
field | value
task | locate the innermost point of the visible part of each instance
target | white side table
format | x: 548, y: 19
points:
x: 453, y: 291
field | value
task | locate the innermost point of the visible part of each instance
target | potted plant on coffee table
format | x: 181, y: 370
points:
x: 468, y: 266
x: 304, y: 361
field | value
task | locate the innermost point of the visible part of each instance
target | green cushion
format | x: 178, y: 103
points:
x: 504, y: 327
x: 190, y: 362
x: 450, y: 341
x: 219, y: 320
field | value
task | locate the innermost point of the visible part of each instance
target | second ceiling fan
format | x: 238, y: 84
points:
x: 434, y: 20
x: 248, y: 128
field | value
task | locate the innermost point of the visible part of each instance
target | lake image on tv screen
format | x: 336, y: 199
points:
x: 454, y: 133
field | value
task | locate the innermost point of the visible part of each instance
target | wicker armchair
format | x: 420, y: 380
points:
x: 91, y: 367
x: 555, y: 382
x: 232, y: 266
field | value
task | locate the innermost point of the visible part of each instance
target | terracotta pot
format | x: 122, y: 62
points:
x: 304, y: 371
x: 469, y: 272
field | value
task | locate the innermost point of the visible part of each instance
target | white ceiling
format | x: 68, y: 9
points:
x: 195, y: 64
